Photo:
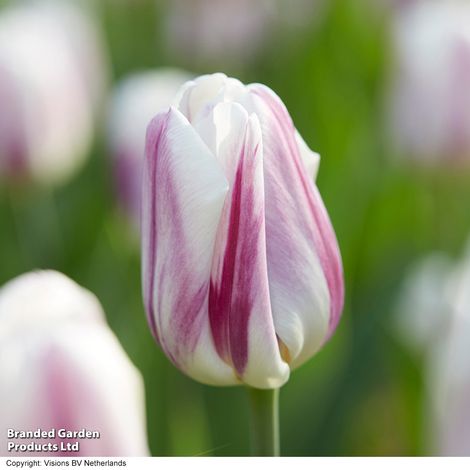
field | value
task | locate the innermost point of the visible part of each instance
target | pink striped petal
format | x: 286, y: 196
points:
x: 239, y: 303
x: 304, y: 263
x: 184, y: 189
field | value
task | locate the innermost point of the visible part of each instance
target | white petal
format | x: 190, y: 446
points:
x: 310, y: 158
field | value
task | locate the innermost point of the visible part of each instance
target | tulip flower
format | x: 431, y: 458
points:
x: 133, y: 104
x: 423, y: 305
x: 52, y: 76
x: 61, y: 367
x: 242, y: 275
x: 242, y: 272
x: 430, y: 97
x: 440, y: 331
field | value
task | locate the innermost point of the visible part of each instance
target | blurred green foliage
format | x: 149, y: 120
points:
x: 362, y: 394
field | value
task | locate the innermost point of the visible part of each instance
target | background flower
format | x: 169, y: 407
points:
x: 434, y: 314
x: 135, y: 101
x: 430, y: 100
x: 52, y: 77
x: 62, y: 367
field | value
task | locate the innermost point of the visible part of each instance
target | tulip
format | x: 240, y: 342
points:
x: 52, y: 76
x: 440, y: 332
x: 242, y: 275
x: 61, y: 367
x: 133, y: 104
x: 423, y: 304
x: 429, y: 97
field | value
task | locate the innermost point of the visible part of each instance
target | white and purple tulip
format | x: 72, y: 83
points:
x: 134, y: 103
x: 434, y: 319
x: 429, y: 100
x: 242, y: 274
x: 61, y: 367
x: 52, y: 77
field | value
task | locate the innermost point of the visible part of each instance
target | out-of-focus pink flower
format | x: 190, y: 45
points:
x: 52, y: 76
x: 430, y: 97
x: 61, y: 367
x: 230, y: 31
x: 135, y: 101
x: 242, y: 275
x: 434, y: 314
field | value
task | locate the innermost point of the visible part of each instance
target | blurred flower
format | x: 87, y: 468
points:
x: 434, y: 314
x: 430, y: 96
x: 424, y: 306
x: 52, y: 76
x: 135, y: 101
x: 62, y: 367
x: 231, y: 30
x: 242, y: 273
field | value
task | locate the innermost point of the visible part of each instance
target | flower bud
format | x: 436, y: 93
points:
x: 242, y: 275
x: 61, y: 367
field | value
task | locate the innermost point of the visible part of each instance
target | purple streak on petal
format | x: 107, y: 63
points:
x: 58, y: 395
x: 173, y: 283
x: 232, y: 295
x: 220, y: 298
x: 74, y: 404
x: 154, y: 150
x: 188, y: 303
x: 291, y: 172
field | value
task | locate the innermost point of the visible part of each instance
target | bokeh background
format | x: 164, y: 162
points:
x: 332, y: 62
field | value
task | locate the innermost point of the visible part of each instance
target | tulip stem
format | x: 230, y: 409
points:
x: 264, y: 405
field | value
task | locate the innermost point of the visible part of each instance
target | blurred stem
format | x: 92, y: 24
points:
x: 264, y: 405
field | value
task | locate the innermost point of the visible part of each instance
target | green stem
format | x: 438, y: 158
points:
x: 264, y: 406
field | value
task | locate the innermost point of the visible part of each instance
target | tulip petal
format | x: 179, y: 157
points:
x: 239, y: 303
x: 195, y: 95
x: 184, y: 190
x: 304, y: 263
x: 68, y: 379
x: 196, y: 99
x: 310, y: 159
